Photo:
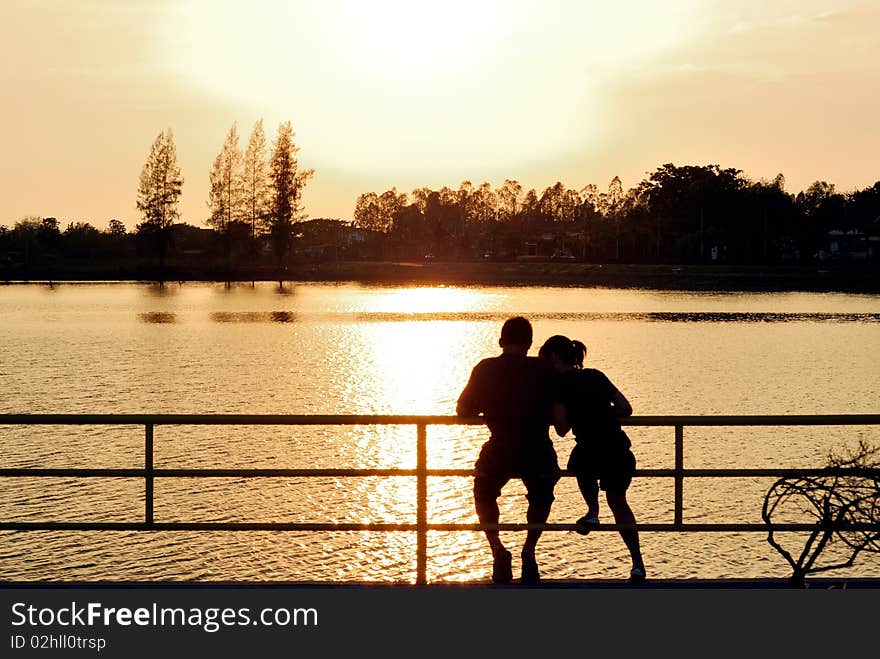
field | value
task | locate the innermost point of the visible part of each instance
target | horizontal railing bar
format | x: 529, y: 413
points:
x: 204, y: 473
x: 305, y: 526
x: 755, y: 420
x: 201, y: 526
x: 25, y: 472
x: 234, y: 419
x: 386, y: 419
x: 686, y: 527
x: 78, y: 473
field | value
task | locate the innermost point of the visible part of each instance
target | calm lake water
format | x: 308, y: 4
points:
x: 348, y: 349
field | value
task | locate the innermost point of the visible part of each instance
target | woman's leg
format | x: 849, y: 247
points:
x: 623, y: 514
x: 589, y: 488
x: 588, y: 484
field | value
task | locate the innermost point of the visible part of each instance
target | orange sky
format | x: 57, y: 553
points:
x: 407, y: 93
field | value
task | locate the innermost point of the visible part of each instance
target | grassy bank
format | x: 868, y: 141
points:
x: 671, y: 277
x: 815, y: 278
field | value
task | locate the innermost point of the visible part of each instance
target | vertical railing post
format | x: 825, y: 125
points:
x: 421, y: 504
x: 679, y: 475
x: 148, y: 475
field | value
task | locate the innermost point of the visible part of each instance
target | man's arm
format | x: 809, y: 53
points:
x: 470, y: 401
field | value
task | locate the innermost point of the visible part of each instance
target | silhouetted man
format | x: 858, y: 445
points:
x: 513, y: 393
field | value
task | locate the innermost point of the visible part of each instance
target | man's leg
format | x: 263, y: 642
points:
x: 538, y: 512
x: 486, y: 493
x: 540, y: 496
x: 487, y: 489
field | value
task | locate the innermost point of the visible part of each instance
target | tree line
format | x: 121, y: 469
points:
x: 249, y: 192
x: 254, y: 199
x: 687, y: 214
x: 677, y: 214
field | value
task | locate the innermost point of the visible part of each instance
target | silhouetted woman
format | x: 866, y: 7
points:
x: 591, y: 407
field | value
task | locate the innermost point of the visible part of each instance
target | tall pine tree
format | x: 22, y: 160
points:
x: 158, y: 194
x: 288, y: 182
x: 225, y: 196
x: 255, y: 180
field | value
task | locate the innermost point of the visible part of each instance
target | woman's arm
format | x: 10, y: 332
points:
x: 620, y: 404
x: 560, y: 419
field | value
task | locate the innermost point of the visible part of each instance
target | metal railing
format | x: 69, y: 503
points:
x: 421, y: 473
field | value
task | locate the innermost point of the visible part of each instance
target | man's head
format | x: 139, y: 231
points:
x: 516, y: 335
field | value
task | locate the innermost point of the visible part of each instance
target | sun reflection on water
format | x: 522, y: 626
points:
x: 420, y: 299
x: 419, y: 368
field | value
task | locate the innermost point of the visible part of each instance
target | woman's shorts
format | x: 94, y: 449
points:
x: 613, y: 467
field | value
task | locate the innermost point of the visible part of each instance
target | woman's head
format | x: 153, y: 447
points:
x: 564, y: 351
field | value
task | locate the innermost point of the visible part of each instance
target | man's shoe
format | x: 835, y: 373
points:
x: 502, y: 569
x: 637, y: 575
x: 586, y: 524
x: 529, y: 575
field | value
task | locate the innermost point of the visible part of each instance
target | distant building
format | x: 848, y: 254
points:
x: 846, y: 245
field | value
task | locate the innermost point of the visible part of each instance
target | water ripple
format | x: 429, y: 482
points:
x: 491, y: 316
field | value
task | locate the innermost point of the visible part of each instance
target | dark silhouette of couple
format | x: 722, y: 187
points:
x: 520, y: 397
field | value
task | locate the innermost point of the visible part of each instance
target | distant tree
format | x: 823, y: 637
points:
x: 615, y: 193
x: 26, y: 232
x: 410, y: 229
x: 863, y: 208
x: 390, y: 204
x: 366, y: 212
x: 419, y: 196
x: 688, y: 201
x: 822, y: 209
x: 844, y: 502
x: 226, y: 193
x: 530, y: 212
x: 484, y: 204
x: 613, y: 211
x: 463, y: 200
x: 590, y: 213
x: 255, y: 179
x: 116, y: 238
x: 773, y: 223
x: 551, y: 202
x: 116, y: 228
x: 81, y: 240
x: 449, y: 214
x: 49, y: 233
x: 509, y: 199
x: 288, y: 182
x: 590, y: 196
x: 569, y: 210
x: 636, y: 227
x: 158, y: 194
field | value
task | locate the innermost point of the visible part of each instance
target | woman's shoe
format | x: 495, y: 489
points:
x: 586, y: 523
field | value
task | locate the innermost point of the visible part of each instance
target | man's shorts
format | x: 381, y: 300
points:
x: 612, y: 467
x: 536, y: 465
